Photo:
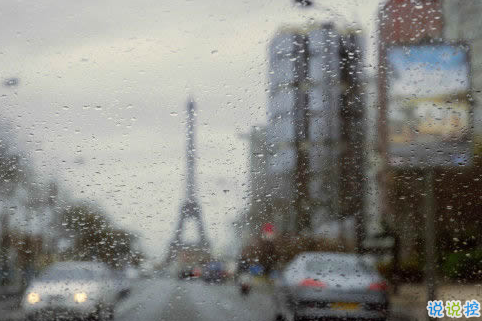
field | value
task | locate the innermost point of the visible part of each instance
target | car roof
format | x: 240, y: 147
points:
x: 306, y: 256
x: 300, y: 261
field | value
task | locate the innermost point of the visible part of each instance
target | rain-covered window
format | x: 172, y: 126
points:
x: 245, y: 160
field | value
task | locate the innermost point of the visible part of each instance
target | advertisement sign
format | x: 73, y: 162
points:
x: 428, y: 113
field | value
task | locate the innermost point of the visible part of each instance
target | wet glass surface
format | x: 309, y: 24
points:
x: 175, y: 157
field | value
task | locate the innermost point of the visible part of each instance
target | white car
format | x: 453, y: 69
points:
x: 334, y: 286
x: 72, y: 290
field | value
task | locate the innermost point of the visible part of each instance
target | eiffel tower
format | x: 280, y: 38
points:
x: 190, y: 209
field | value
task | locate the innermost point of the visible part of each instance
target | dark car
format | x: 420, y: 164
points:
x: 214, y: 272
x: 330, y: 285
x: 189, y: 273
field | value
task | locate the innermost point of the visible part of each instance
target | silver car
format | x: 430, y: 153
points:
x: 330, y: 286
x: 72, y: 290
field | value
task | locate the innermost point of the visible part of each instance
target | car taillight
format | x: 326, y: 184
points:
x: 312, y: 283
x: 379, y: 286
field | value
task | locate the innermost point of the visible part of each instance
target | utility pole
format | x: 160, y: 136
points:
x: 5, y: 241
x: 430, y: 233
x: 55, y: 219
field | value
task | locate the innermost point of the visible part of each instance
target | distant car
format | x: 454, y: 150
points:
x: 245, y: 281
x: 330, y: 286
x: 85, y: 290
x: 214, y: 272
x: 189, y: 273
x: 185, y: 273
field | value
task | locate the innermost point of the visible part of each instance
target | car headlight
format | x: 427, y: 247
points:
x: 33, y: 297
x: 80, y: 297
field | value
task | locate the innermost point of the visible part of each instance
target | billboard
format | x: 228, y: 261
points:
x: 428, y: 114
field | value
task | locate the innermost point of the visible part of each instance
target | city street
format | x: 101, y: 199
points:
x: 166, y: 299
x: 163, y: 299
x: 170, y: 299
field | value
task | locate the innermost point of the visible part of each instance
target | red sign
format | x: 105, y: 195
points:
x: 267, y: 229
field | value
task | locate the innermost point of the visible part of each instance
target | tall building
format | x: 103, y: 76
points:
x: 303, y: 127
x: 313, y: 152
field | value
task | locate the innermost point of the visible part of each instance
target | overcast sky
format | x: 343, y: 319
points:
x: 106, y: 82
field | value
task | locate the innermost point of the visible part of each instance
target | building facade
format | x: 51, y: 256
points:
x: 307, y: 169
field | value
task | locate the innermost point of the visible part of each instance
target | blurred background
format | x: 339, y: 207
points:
x: 216, y: 141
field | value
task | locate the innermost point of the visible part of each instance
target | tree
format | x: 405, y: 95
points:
x: 95, y: 238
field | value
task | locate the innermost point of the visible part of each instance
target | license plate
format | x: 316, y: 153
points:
x: 345, y: 306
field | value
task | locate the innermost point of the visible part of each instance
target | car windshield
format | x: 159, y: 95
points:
x: 201, y: 152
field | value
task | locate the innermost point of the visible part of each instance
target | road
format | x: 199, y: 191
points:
x: 164, y: 299
x: 169, y: 299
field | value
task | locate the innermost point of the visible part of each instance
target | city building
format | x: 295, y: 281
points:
x: 249, y: 222
x: 443, y: 31
x: 307, y: 163
x: 303, y: 129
